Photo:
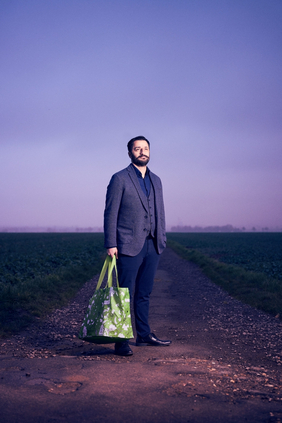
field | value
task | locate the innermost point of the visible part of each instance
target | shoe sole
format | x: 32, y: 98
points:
x: 147, y: 344
x: 124, y: 355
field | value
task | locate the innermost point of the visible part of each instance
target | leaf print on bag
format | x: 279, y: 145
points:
x: 108, y: 316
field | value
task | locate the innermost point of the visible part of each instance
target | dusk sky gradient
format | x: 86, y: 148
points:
x: 201, y: 79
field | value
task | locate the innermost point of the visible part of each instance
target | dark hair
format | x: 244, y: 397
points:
x: 131, y: 142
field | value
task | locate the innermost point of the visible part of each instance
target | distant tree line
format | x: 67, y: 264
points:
x: 225, y: 228
x: 51, y: 229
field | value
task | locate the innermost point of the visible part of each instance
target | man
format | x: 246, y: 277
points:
x: 134, y: 227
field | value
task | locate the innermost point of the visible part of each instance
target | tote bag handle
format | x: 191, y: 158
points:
x: 110, y: 264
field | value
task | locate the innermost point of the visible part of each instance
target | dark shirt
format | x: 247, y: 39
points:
x: 145, y: 183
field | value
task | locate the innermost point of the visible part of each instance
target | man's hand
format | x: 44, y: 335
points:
x: 112, y: 252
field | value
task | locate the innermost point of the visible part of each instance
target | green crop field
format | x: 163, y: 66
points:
x: 247, y: 265
x: 41, y: 271
x: 257, y: 252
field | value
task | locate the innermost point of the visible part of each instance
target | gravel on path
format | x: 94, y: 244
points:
x: 224, y: 364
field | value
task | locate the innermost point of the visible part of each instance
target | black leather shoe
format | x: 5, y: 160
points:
x: 151, y: 339
x: 123, y: 348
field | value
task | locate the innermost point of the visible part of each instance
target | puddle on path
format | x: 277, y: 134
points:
x: 55, y: 387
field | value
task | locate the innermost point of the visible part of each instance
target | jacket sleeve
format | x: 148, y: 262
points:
x: 113, y: 200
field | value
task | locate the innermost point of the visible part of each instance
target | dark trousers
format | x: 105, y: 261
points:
x: 139, y: 271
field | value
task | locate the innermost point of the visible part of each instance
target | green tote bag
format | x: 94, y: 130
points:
x: 108, y: 316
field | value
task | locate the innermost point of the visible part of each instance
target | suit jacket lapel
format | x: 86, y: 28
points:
x: 136, y: 183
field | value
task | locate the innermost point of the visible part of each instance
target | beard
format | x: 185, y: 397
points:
x: 138, y: 162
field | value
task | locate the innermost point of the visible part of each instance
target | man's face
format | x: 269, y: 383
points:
x: 140, y: 154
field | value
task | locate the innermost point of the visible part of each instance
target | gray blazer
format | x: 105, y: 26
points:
x: 126, y: 223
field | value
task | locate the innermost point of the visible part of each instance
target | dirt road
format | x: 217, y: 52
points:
x: 224, y: 364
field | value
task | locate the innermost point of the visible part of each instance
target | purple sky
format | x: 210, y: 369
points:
x: 201, y: 79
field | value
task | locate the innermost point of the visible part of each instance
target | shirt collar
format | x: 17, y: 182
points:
x: 138, y: 173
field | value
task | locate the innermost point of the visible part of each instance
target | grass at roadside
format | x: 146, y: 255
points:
x: 41, y: 272
x: 253, y: 288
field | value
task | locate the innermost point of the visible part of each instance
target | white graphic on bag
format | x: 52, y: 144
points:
x: 108, y: 316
